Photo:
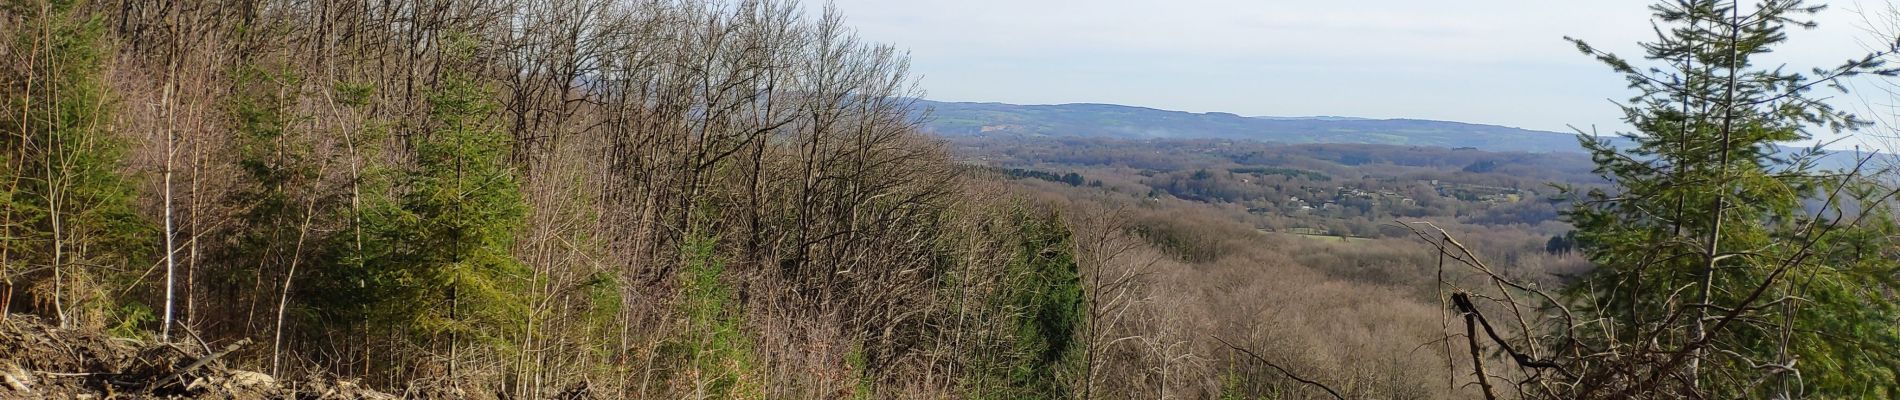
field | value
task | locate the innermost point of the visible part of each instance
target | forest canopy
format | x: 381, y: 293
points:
x: 739, y: 199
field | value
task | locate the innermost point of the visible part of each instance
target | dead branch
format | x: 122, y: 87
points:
x: 198, y: 364
x: 1289, y: 374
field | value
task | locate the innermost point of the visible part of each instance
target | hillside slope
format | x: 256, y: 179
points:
x: 1127, y: 122
x: 39, y: 361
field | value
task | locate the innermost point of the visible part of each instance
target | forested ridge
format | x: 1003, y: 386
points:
x: 737, y: 199
x: 1126, y: 122
x: 478, y: 199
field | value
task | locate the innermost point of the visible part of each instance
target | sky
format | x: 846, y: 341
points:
x: 1500, y: 62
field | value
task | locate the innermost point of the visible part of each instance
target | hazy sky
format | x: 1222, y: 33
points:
x: 1486, y: 61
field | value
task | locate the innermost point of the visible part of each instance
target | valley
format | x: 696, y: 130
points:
x: 763, y: 199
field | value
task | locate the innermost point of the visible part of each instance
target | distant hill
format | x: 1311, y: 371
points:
x: 1127, y: 122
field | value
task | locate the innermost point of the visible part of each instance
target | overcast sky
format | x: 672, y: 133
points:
x: 1485, y: 61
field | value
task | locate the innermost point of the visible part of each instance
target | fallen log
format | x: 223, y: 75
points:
x: 198, y: 364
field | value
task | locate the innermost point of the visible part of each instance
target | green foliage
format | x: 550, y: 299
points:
x: 1042, y: 295
x: 1049, y: 290
x: 68, y: 206
x: 262, y: 106
x: 866, y: 383
x: 1286, y: 172
x: 603, y: 299
x: 1072, y: 179
x: 354, y: 94
x: 1561, y: 244
x: 1230, y: 385
x: 1704, y: 174
x: 131, y: 320
x: 435, y: 255
x: 715, y: 341
x: 279, y: 171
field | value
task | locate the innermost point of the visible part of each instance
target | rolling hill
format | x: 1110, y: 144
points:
x: 1127, y: 122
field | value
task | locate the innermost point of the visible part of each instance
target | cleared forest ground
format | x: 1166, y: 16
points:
x: 38, y: 361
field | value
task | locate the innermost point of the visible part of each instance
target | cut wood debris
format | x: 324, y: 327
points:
x: 39, y: 361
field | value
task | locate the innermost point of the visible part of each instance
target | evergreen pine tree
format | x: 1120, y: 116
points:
x: 1711, y: 274
x: 70, y: 217
x: 436, y: 260
x: 1043, y: 292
